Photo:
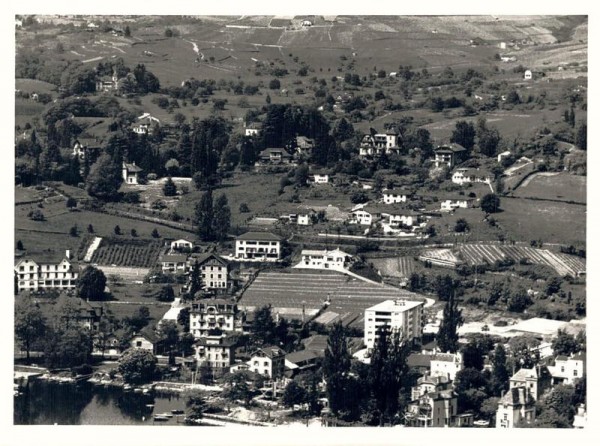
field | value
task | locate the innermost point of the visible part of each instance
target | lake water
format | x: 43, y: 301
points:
x: 53, y: 403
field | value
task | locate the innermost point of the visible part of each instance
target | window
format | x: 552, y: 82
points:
x: 138, y: 343
x: 266, y: 364
x: 562, y: 368
x: 574, y: 372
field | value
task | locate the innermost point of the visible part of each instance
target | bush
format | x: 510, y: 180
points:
x: 36, y: 215
x: 359, y: 197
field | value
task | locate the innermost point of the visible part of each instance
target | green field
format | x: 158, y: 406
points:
x: 563, y: 187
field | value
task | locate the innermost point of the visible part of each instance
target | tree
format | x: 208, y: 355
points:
x: 301, y: 175
x: 237, y: 388
x: 20, y: 245
x: 581, y: 136
x: 461, y: 225
x: 169, y: 188
x: 68, y: 347
x: 169, y: 334
x: 195, y: 280
x: 336, y: 366
x: 263, y: 325
x: 104, y: 179
x: 274, y: 84
x: 90, y: 229
x: 195, y: 401
x: 473, y: 355
x: 137, y: 366
x: 91, y: 284
x: 71, y: 203
x: 447, y: 337
x: 30, y: 323
x: 490, y: 203
x: 204, y: 216
x: 134, y: 232
x: 294, y: 394
x: 155, y: 233
x: 519, y: 301
x: 564, y: 344
x: 464, y: 134
x: 166, y: 294
x: 117, y: 230
x: 500, y: 370
x: 73, y: 232
x: 221, y: 218
x: 522, y: 352
x: 127, y: 31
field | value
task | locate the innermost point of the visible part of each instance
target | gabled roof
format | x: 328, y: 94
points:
x: 205, y: 256
x: 419, y: 360
x: 271, y: 351
x: 303, y: 356
x: 132, y: 168
x: 524, y: 374
x: 148, y: 334
x: 267, y: 152
x: 259, y: 236
x: 389, y: 209
x: 450, y: 148
x: 174, y: 258
x: 395, y: 192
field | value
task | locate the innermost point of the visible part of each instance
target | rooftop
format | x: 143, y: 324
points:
x: 255, y: 235
x: 450, y: 148
x: 323, y: 252
x: 175, y: 258
x: 395, y: 305
x: 203, y: 257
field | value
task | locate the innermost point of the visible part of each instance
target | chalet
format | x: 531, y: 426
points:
x: 375, y: 144
x: 467, y: 176
x: 390, y: 215
x: 392, y: 196
x: 516, y: 407
x: 449, y: 155
x: 48, y: 271
x: 215, y: 352
x: 268, y: 361
x: 211, y: 315
x: 252, y: 129
x: 145, y: 124
x: 214, y: 271
x: 274, y: 156
x: 181, y: 245
x: 324, y: 259
x: 566, y: 370
x: 88, y: 315
x: 108, y: 345
x: 174, y: 263
x: 450, y: 203
x: 146, y: 339
x: 131, y: 173
x: 303, y: 147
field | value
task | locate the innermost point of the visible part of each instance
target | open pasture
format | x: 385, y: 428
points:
x: 563, y: 187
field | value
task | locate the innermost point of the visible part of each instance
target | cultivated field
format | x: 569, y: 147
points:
x: 552, y: 186
x: 127, y: 274
x: 401, y: 267
x: 137, y: 253
x: 288, y: 293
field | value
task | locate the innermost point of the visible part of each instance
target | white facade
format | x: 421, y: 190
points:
x: 392, y: 197
x: 323, y: 259
x: 212, y: 314
x: 451, y: 204
x: 268, y: 361
x: 214, y: 352
x: 33, y: 276
x: 567, y: 370
x: 320, y: 178
x: 514, y: 408
x: 400, y: 219
x: 258, y: 246
x: 528, y: 75
x: 181, y: 244
x: 362, y: 217
x: 446, y: 364
x: 399, y: 314
x: 214, y: 274
x: 250, y: 131
x: 467, y: 176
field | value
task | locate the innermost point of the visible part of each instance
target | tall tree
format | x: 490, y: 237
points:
x: 195, y: 280
x: 104, y: 179
x: 137, y: 366
x: 221, y: 218
x: 195, y: 401
x: 30, y: 323
x: 490, y: 203
x: 500, y: 370
x: 336, y: 366
x: 204, y: 216
x: 464, y: 134
x: 581, y: 136
x: 91, y: 284
x: 263, y: 325
x: 447, y: 337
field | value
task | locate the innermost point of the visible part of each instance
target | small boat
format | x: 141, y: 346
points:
x: 160, y: 418
x: 166, y: 415
x: 127, y: 387
x: 150, y: 405
x: 177, y: 412
x: 137, y: 390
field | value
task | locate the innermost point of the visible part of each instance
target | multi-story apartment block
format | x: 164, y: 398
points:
x: 399, y: 314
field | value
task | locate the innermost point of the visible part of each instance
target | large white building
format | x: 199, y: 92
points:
x: 323, y: 259
x: 208, y: 316
x: 398, y: 314
x: 58, y: 273
x: 258, y: 246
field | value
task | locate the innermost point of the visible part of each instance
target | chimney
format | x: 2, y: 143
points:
x: 68, y: 254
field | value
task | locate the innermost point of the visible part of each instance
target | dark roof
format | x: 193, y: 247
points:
x: 267, y: 152
x: 201, y: 258
x: 389, y: 209
x: 255, y: 235
x: 317, y: 343
x: 88, y: 142
x: 149, y: 335
x: 175, y: 258
x: 419, y: 360
x: 271, y: 351
x: 452, y: 147
x: 132, y: 168
x: 579, y: 357
x: 562, y: 358
x: 303, y: 356
x: 223, y: 342
x: 45, y: 257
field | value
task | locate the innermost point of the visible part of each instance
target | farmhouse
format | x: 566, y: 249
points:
x: 82, y: 146
x: 323, y: 259
x: 466, y: 176
x: 146, y: 339
x: 449, y: 155
x: 174, y: 263
x: 214, y: 271
x: 213, y: 314
x: 215, y: 352
x: 515, y: 407
x: 145, y: 124
x: 454, y: 202
x: 268, y: 361
x: 49, y: 271
x: 108, y: 345
x: 392, y: 216
x: 401, y: 315
x: 262, y: 246
x: 274, y: 156
x: 375, y: 144
x: 130, y: 173
x: 252, y: 129
x: 392, y: 196
x: 181, y: 245
x: 88, y: 315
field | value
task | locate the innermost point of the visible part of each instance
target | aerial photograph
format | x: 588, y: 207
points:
x: 302, y: 221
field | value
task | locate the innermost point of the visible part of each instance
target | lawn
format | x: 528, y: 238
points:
x: 563, y: 187
x: 551, y: 222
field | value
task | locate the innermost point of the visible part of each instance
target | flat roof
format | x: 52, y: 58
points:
x: 395, y: 305
x: 255, y: 235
